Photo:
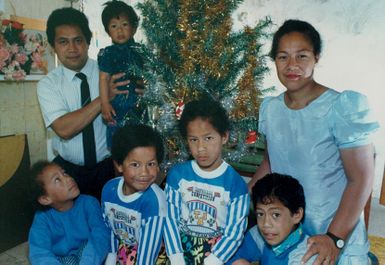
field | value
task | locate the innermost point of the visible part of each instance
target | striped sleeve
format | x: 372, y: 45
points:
x: 150, y: 240
x: 236, y: 224
x: 171, y: 235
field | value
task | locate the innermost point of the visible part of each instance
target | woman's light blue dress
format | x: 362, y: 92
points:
x: 305, y: 144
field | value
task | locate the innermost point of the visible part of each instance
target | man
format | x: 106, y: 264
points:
x: 70, y: 103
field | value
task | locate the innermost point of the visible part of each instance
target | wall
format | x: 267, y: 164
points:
x: 19, y: 109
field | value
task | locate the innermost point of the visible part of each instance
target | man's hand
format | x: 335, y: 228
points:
x: 113, y: 85
x: 140, y: 87
x: 324, y: 246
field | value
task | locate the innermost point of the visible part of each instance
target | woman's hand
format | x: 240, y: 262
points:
x: 325, y: 247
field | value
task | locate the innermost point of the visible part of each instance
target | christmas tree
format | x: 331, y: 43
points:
x: 193, y: 53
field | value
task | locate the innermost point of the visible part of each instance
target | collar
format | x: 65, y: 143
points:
x: 209, y: 174
x: 70, y: 74
x: 127, y: 198
x: 290, y: 241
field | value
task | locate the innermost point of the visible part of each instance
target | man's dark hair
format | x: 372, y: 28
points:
x: 129, y: 137
x: 67, y: 16
x: 283, y: 188
x: 206, y: 109
x: 37, y: 185
x: 114, y: 9
x: 303, y: 27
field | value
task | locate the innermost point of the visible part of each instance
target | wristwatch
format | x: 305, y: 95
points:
x: 339, y: 242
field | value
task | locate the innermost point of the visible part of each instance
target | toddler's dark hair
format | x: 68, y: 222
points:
x: 129, y: 137
x: 283, y: 188
x: 37, y: 185
x: 114, y: 9
x: 206, y: 109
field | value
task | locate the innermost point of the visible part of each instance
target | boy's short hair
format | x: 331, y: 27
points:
x: 206, y: 109
x: 67, y: 16
x: 129, y: 137
x: 37, y: 185
x: 283, y: 188
x: 116, y: 8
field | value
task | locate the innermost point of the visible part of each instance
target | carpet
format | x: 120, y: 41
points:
x: 377, y: 247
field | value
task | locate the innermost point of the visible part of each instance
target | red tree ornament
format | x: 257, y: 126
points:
x: 179, y: 109
x: 252, y: 137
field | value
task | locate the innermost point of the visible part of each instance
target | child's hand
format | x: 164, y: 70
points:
x: 108, y: 113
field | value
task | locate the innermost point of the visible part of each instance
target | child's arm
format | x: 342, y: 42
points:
x: 172, y: 238
x: 107, y: 110
x: 98, y: 244
x: 234, y: 229
x: 40, y: 245
x: 150, y: 240
x: 250, y: 250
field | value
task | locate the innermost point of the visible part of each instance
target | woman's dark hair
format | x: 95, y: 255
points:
x: 67, y: 16
x: 114, y: 9
x: 206, y: 109
x: 129, y: 137
x: 37, y: 185
x: 283, y: 188
x: 303, y: 27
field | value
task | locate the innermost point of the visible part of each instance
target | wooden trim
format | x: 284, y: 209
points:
x: 382, y: 194
x: 27, y: 78
x: 30, y: 23
x: 367, y: 211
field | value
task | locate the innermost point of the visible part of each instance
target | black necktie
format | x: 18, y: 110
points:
x: 88, y: 131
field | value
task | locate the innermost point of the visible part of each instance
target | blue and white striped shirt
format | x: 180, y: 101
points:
x: 136, y: 220
x: 207, y: 204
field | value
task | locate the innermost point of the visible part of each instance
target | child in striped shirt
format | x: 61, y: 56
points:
x: 208, y: 201
x: 134, y: 207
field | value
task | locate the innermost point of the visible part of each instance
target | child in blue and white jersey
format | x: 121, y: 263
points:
x: 279, y: 201
x: 208, y: 201
x: 68, y: 228
x: 134, y: 207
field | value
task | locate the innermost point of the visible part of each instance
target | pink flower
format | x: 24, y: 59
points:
x: 37, y: 61
x: 6, y: 22
x: 21, y: 58
x: 18, y: 75
x: 17, y: 25
x: 14, y: 64
x: 4, y: 54
x: 14, y: 48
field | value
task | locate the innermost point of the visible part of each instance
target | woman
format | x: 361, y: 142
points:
x: 321, y: 137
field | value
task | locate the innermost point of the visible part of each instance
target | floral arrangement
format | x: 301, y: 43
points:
x: 20, y: 54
